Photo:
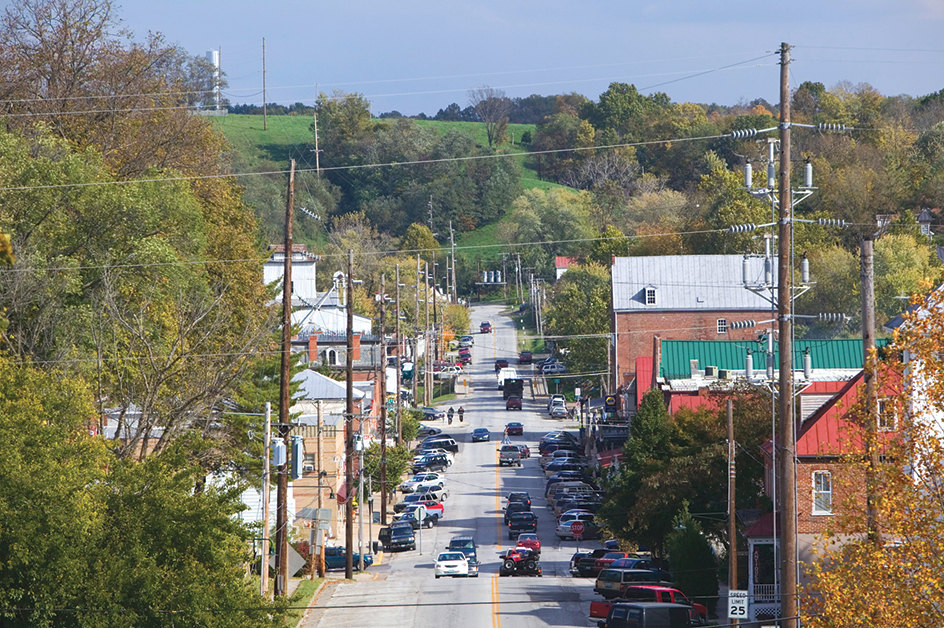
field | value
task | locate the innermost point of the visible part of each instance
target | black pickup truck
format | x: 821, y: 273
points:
x: 582, y: 563
x: 398, y: 537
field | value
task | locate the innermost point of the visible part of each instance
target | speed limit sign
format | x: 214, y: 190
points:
x: 737, y: 604
x: 577, y: 528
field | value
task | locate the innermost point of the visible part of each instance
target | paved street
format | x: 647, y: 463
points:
x: 402, y: 590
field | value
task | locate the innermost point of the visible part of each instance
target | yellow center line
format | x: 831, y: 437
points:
x: 496, y: 619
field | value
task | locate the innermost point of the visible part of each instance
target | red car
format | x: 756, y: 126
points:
x: 516, y: 429
x: 434, y: 508
x: 647, y: 593
x: 485, y: 327
x: 525, y: 451
x: 513, y: 403
x: 606, y: 559
x: 530, y: 541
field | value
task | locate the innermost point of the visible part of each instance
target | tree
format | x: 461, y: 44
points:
x: 694, y: 566
x: 419, y: 239
x: 577, y: 307
x: 492, y: 107
x: 399, y: 461
x: 897, y: 582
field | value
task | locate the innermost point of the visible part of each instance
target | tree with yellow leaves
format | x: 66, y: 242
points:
x: 895, y: 576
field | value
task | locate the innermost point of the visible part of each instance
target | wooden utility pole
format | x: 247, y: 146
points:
x: 264, y: 565
x: 428, y: 371
x: 452, y: 242
x: 732, y: 511
x: 285, y: 400
x: 383, y: 400
x: 788, y: 594
x: 416, y: 336
x: 265, y: 118
x: 349, y: 427
x: 320, y: 532
x: 399, y: 363
x: 872, y: 450
x: 317, y: 150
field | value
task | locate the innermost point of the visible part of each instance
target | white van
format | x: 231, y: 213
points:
x: 506, y: 373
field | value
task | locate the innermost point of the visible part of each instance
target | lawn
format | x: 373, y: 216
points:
x: 287, y: 137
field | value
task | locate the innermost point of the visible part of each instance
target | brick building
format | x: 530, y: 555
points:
x: 682, y: 297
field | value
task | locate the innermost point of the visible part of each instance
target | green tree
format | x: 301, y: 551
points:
x: 419, y: 239
x: 578, y: 306
x: 694, y: 566
x: 399, y: 461
x: 612, y: 243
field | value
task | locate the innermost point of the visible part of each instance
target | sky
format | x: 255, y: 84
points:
x: 419, y: 56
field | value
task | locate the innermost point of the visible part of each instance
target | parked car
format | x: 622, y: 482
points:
x: 422, y: 479
x: 612, y: 582
x: 335, y: 558
x: 485, y: 327
x: 451, y: 564
x: 522, y: 522
x: 433, y: 462
x: 514, y: 429
x: 555, y: 399
x: 417, y: 518
x: 524, y: 449
x: 587, y: 560
x: 650, y: 615
x: 555, y: 368
x: 590, y: 530
x: 433, y: 414
x: 648, y: 593
x: 466, y: 341
x: 607, y: 559
x: 501, y: 363
x: 519, y: 562
x: 408, y: 500
x: 428, y: 430
x: 441, y: 440
x: 465, y: 359
x: 480, y: 434
x: 434, y: 508
x: 397, y: 537
x: 530, y: 541
x: 423, y: 450
x: 513, y: 403
x: 437, y: 493
x: 464, y: 544
x: 559, y: 412
x: 525, y: 357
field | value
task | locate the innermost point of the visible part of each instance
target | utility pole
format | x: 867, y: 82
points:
x: 732, y: 522
x: 399, y: 368
x: 264, y: 565
x: 788, y: 594
x: 430, y: 214
x: 383, y: 404
x: 265, y: 119
x: 317, y: 150
x: 867, y: 281
x: 319, y: 532
x: 428, y: 371
x: 452, y: 242
x: 219, y: 81
x: 349, y: 426
x: 361, y: 504
x: 416, y: 335
x: 285, y: 400
x: 435, y: 308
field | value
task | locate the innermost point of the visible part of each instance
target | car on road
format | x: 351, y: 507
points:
x: 524, y: 449
x: 650, y: 614
x: 525, y: 357
x: 648, y: 593
x: 520, y: 497
x: 480, y: 434
x: 559, y: 412
x: 422, y: 479
x: 515, y: 507
x: 555, y: 368
x: 430, y: 462
x: 513, y: 403
x: 555, y: 399
x: 522, y: 522
x: 417, y: 518
x: 607, y: 559
x: 409, y: 500
x: 519, y: 561
x: 510, y: 455
x: 466, y: 341
x: 430, y: 451
x: 441, y: 440
x: 397, y: 537
x: 514, y: 429
x: 437, y: 493
x: 501, y: 363
x: 433, y: 414
x: 434, y: 508
x: 465, y: 358
x: 451, y: 564
x: 530, y: 541
x: 612, y: 582
x: 464, y: 544
x: 428, y: 430
x: 563, y: 464
x: 590, y: 530
x: 335, y: 558
x: 485, y: 327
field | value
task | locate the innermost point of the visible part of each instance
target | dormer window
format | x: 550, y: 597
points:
x: 650, y: 296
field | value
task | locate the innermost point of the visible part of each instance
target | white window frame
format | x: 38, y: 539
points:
x: 722, y: 325
x: 820, y: 492
x: 650, y: 295
x: 882, y: 417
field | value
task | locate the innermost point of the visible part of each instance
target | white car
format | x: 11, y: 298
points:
x: 422, y: 479
x: 563, y: 524
x: 434, y: 492
x: 452, y: 564
x: 552, y: 369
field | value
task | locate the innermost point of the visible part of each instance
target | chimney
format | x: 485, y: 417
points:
x: 656, y: 359
x: 313, y: 347
x: 357, y: 347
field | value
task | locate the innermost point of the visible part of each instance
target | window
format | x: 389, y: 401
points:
x: 722, y: 325
x: 822, y: 493
x: 887, y: 420
x: 332, y: 357
x: 650, y: 296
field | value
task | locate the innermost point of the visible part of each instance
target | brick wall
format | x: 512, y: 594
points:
x: 635, y: 331
x: 848, y: 481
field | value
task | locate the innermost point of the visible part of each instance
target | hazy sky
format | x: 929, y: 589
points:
x: 415, y: 56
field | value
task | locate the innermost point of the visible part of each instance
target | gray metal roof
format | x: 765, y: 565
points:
x: 688, y: 282
x: 316, y: 386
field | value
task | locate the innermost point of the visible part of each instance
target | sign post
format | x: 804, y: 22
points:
x: 737, y: 604
x: 577, y: 528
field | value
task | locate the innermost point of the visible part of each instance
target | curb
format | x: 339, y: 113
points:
x: 310, y: 604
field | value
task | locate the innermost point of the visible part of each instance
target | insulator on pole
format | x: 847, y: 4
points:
x: 808, y: 175
x: 831, y: 317
x: 830, y: 126
x: 749, y: 365
x: 830, y: 222
x: 804, y: 270
x: 807, y: 364
x: 742, y: 228
x: 743, y: 324
x: 771, y: 175
x: 748, y: 176
x: 770, y: 365
x: 743, y: 133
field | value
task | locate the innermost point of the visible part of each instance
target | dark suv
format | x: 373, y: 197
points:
x: 520, y: 497
x: 432, y: 462
x: 522, y: 522
x: 513, y: 508
x: 398, y: 537
x: 501, y: 363
x: 464, y: 544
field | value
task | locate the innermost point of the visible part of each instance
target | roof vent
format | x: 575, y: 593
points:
x: 711, y: 371
x: 724, y: 374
